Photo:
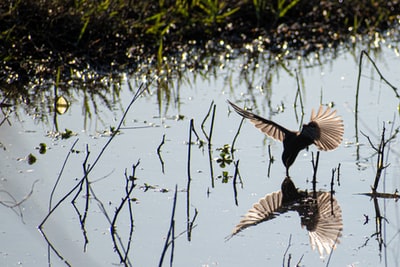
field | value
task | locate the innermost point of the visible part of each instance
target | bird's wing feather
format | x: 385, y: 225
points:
x: 330, y: 129
x: 329, y: 225
x: 265, y: 209
x: 268, y: 127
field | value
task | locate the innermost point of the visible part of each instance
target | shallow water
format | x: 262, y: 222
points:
x: 261, y: 245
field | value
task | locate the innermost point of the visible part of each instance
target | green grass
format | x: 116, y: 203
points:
x: 101, y: 32
x: 55, y: 40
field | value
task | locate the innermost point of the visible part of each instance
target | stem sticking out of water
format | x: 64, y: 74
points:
x: 315, y: 167
x: 364, y: 53
x: 208, y: 137
x: 381, y: 154
x: 237, y: 174
x: 159, y: 153
x: 171, y: 232
x: 235, y: 138
x: 78, y: 186
x: 127, y: 199
x: 189, y: 223
x: 298, y: 96
x: 271, y: 160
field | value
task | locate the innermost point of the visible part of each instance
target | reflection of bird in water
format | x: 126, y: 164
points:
x: 321, y: 216
x: 325, y: 130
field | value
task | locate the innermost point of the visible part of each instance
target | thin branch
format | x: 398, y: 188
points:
x: 236, y: 163
x: 60, y: 173
x: 159, y: 153
x: 141, y: 89
x: 298, y: 96
x: 235, y: 137
x: 315, y: 167
x: 129, y: 186
x: 171, y: 230
x: 189, y: 179
x: 286, y: 251
x: 364, y: 53
x: 270, y: 161
x: 208, y: 136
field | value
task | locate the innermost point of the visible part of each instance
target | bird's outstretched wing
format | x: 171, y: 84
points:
x: 328, y: 226
x: 325, y: 128
x: 268, y: 127
x: 265, y: 209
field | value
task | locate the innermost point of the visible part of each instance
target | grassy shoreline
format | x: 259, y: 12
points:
x: 55, y: 48
x: 49, y: 42
x: 109, y: 33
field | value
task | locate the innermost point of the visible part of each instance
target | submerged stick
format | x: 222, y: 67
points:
x: 315, y: 167
x: 364, y: 53
x: 236, y: 174
x: 298, y: 96
x: 189, y: 179
x: 171, y: 232
x: 332, y: 189
x: 235, y: 137
x: 286, y: 251
x: 332, y: 249
x: 135, y: 97
x: 271, y: 160
x: 141, y: 89
x: 61, y: 172
x: 159, y: 153
x: 209, y: 137
x: 129, y: 186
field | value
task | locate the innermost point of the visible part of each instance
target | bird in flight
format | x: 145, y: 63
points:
x: 325, y: 130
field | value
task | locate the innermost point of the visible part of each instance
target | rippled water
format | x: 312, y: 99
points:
x: 212, y: 207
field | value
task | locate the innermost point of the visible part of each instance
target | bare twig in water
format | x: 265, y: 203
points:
x: 236, y: 163
x: 189, y: 222
x: 378, y: 224
x: 129, y: 186
x: 159, y: 153
x: 394, y: 195
x: 287, y: 250
x: 315, y: 167
x: 171, y: 232
x: 338, y: 174
x: 298, y: 96
x: 109, y: 220
x: 364, y: 53
x: 6, y: 115
x: 332, y: 248
x: 380, y: 159
x: 17, y: 204
x: 290, y: 255
x: 379, y: 219
x: 209, y: 137
x: 332, y: 189
x: 189, y: 179
x: 60, y: 173
x: 85, y: 182
x: 380, y: 165
x: 235, y: 138
x: 271, y: 160
x: 87, y: 171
